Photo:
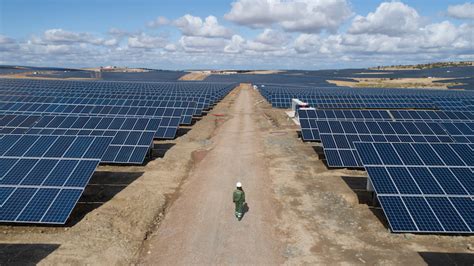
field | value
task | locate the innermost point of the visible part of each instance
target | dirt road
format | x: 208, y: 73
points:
x: 200, y: 227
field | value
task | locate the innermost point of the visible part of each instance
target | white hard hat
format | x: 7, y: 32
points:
x: 238, y: 184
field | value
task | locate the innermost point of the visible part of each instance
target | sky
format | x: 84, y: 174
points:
x: 234, y: 34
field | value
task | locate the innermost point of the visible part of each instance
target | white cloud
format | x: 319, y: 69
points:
x: 310, y: 16
x: 306, y: 43
x: 273, y: 37
x: 111, y: 42
x: 202, y: 44
x: 463, y: 11
x: 145, y: 41
x: 390, y: 18
x: 63, y: 36
x: 170, y: 47
x: 7, y: 43
x: 118, y: 33
x: 439, y: 39
x: 392, y: 33
x: 235, y: 45
x: 60, y: 36
x: 158, y: 22
x: 195, y: 26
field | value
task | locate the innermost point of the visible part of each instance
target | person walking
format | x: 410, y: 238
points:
x: 239, y: 200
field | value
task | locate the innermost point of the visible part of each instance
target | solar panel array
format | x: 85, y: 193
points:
x: 54, y: 133
x: 338, y: 137
x: 346, y: 98
x: 423, y: 187
x: 309, y: 117
x: 416, y: 146
x: 132, y: 137
x: 42, y: 177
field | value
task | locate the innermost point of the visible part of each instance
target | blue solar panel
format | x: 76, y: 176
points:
x: 133, y: 136
x: 422, y: 187
x: 45, y: 188
x: 338, y: 138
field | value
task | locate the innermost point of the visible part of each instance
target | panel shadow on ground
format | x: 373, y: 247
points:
x: 103, y: 186
x: 25, y: 254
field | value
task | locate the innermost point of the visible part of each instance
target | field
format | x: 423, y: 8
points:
x: 177, y: 209
x: 419, y: 83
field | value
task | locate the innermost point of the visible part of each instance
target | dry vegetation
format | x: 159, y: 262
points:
x: 425, y: 66
x: 197, y: 75
x: 419, y: 83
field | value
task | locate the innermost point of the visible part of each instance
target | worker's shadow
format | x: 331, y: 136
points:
x: 245, y: 209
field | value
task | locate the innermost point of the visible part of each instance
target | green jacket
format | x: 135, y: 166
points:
x: 239, y: 196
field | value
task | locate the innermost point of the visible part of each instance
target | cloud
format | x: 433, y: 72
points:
x: 63, y: 36
x: 7, y: 44
x: 118, y: 33
x: 202, y: 44
x: 194, y: 26
x: 390, y: 18
x: 310, y: 16
x: 60, y: 36
x: 306, y: 43
x: 392, y: 33
x: 235, y: 45
x: 273, y: 37
x: 145, y: 41
x: 440, y: 40
x: 158, y: 22
x: 464, y: 11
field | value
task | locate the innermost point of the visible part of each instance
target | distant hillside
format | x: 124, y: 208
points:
x: 425, y: 66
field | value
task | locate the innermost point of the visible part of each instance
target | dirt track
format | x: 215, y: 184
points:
x: 200, y: 227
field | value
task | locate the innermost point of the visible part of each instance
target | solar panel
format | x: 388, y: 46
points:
x: 422, y: 187
x: 42, y: 177
x: 309, y: 129
x: 461, y: 132
x: 132, y: 137
x: 310, y: 132
x: 338, y: 137
x: 426, y: 115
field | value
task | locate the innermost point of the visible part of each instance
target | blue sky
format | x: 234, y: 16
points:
x: 311, y: 34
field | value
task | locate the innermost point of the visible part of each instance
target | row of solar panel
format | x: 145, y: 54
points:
x: 422, y: 187
x: 310, y: 131
x: 117, y: 86
x: 285, y: 102
x: 162, y: 101
x: 185, y: 114
x: 204, y: 101
x: 403, y: 115
x: 338, y: 138
x: 132, y: 137
x: 341, y: 98
x: 100, y: 103
x: 42, y: 177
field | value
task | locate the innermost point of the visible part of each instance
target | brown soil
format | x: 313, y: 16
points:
x: 177, y: 208
x: 418, y: 83
x: 200, y: 227
x: 195, y: 76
